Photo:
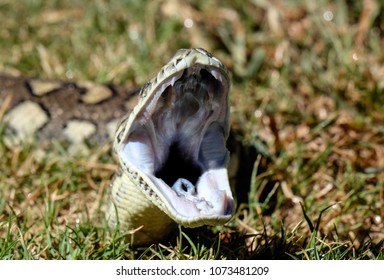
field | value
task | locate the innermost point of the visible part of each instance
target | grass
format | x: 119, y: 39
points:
x: 306, y: 97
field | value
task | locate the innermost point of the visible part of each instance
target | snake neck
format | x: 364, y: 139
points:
x: 130, y: 210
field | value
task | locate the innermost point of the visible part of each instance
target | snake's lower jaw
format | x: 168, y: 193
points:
x: 209, y: 202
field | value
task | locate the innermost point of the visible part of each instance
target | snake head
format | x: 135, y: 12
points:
x: 172, y: 144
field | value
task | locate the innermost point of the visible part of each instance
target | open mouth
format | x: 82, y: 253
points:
x: 177, y: 142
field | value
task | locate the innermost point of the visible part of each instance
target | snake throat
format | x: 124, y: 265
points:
x: 177, y: 142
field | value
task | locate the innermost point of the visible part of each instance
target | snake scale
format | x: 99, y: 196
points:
x: 169, y: 139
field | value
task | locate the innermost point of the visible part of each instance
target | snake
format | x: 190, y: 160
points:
x: 168, y: 138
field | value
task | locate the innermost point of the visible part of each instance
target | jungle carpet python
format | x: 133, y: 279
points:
x: 170, y: 147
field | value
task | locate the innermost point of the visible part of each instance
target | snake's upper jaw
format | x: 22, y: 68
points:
x: 174, y: 140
